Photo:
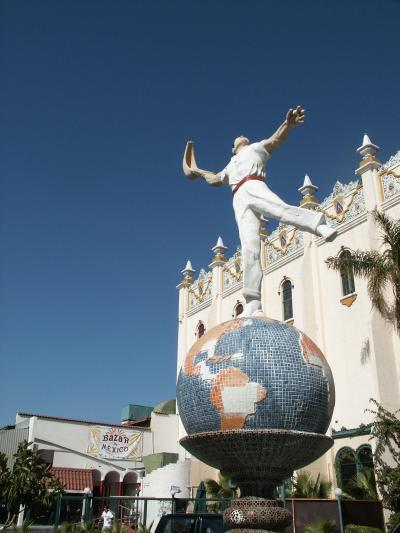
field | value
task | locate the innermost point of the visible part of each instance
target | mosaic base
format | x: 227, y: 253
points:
x: 256, y: 515
x: 257, y: 460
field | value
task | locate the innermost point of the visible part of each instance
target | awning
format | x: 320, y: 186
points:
x: 74, y: 479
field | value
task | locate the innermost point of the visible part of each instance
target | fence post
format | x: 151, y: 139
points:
x: 58, y: 512
x: 145, y: 512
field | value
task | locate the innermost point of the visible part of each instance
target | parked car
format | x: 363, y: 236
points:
x: 190, y: 523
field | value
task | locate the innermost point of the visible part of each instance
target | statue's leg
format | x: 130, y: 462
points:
x: 266, y: 202
x: 249, y: 232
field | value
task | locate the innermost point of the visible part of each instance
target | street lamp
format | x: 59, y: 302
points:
x: 173, y: 491
x: 338, y: 494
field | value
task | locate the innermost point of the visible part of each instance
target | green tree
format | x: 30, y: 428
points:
x: 386, y: 431
x: 305, y: 486
x: 29, y: 485
x: 380, y: 269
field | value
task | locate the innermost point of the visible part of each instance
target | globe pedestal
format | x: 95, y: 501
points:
x: 256, y: 396
x: 257, y: 461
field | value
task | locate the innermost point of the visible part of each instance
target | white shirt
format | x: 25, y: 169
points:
x: 107, y: 517
x: 249, y: 161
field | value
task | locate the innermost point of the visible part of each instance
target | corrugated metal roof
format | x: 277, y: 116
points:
x: 75, y: 420
x: 9, y: 440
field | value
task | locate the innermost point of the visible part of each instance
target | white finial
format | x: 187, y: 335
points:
x: 366, y: 140
x: 307, y: 189
x: 368, y: 147
x: 219, y: 250
x: 188, y: 270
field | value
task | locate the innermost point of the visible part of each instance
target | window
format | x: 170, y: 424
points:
x: 349, y: 463
x: 287, y: 299
x: 364, y: 457
x: 200, y: 329
x: 346, y: 466
x: 347, y: 276
x: 238, y: 309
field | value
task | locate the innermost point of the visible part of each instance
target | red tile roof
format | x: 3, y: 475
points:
x: 75, y: 479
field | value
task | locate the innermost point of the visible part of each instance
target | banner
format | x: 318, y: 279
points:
x: 115, y: 443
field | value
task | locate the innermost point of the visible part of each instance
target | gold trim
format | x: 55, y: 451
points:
x: 342, y: 216
x: 289, y: 321
x: 368, y: 159
x: 235, y: 275
x: 309, y: 200
x: 200, y: 297
x: 349, y: 299
x: 279, y: 248
x: 220, y: 257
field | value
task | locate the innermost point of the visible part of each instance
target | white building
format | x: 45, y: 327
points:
x: 110, y: 459
x: 334, y: 310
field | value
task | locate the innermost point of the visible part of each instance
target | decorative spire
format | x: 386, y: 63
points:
x: 367, y: 148
x: 367, y: 151
x: 187, y: 272
x: 309, y: 201
x: 219, y: 253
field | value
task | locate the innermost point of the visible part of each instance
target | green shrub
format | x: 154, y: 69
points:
x: 322, y: 526
x: 354, y: 528
x: 393, y: 521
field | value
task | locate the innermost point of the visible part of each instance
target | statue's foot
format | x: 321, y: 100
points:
x: 328, y: 233
x: 251, y: 308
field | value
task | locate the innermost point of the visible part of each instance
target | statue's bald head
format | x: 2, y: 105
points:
x: 239, y: 143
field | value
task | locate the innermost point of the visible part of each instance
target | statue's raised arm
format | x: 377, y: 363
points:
x: 294, y: 117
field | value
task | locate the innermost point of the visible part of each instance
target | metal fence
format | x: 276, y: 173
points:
x: 127, y: 510
x: 131, y: 512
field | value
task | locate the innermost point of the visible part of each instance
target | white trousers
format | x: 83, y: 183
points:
x: 252, y: 200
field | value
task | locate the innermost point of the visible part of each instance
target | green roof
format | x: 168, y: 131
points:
x: 166, y: 408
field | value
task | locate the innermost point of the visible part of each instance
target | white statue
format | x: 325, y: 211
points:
x: 245, y: 174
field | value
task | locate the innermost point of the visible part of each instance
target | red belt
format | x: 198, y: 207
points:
x: 243, y: 180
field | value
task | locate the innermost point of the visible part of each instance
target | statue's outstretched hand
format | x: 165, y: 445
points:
x: 189, y: 165
x: 296, y: 116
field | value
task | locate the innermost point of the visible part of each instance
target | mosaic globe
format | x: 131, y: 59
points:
x: 255, y: 373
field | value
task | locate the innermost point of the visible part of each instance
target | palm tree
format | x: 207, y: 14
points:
x: 380, y: 269
x: 220, y: 489
x: 306, y: 487
x: 363, y: 486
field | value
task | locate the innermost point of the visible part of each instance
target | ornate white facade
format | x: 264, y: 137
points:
x: 362, y: 350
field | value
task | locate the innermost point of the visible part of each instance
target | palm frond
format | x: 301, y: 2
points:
x: 378, y: 283
x: 361, y: 262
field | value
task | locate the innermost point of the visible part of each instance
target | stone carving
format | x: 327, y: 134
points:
x: 252, y: 199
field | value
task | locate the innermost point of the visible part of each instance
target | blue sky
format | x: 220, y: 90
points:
x: 97, y: 99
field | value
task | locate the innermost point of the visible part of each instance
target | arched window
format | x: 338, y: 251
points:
x: 287, y: 304
x: 364, y: 457
x: 346, y: 465
x: 238, y: 310
x: 348, y: 286
x: 200, y: 329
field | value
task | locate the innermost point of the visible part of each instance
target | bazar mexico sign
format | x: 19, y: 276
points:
x: 114, y: 443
